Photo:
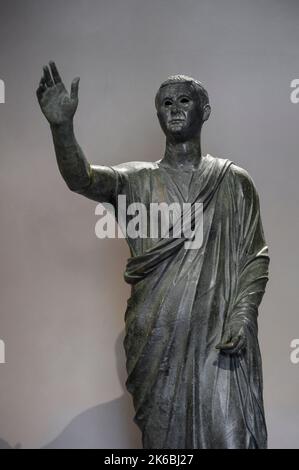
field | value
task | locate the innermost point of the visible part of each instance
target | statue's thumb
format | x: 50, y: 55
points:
x: 75, y: 88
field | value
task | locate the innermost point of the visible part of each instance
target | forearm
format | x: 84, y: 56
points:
x: 251, y: 288
x: 72, y: 163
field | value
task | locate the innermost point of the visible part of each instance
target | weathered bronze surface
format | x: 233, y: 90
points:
x: 193, y: 359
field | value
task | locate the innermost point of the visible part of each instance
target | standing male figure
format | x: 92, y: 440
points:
x: 193, y: 359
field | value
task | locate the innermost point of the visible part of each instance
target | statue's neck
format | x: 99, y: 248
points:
x: 184, y: 155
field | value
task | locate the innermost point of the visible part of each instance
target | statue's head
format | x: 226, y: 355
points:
x: 182, y: 105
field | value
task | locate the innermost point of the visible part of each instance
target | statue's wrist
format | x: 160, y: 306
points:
x: 67, y: 125
x: 63, y: 132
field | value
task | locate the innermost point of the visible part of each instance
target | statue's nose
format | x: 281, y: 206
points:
x: 174, y: 109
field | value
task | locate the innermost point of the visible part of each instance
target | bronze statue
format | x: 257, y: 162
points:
x: 193, y: 359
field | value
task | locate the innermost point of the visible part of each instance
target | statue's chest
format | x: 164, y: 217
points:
x: 162, y: 187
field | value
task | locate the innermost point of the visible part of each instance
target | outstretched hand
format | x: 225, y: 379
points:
x: 56, y: 103
x: 233, y: 340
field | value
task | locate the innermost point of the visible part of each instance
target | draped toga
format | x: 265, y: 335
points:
x: 187, y: 394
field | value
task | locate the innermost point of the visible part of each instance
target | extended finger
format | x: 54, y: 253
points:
x: 75, y: 89
x: 47, y: 76
x: 41, y: 88
x: 55, y: 74
x: 39, y: 92
x: 229, y: 347
x: 225, y: 346
x: 42, y: 82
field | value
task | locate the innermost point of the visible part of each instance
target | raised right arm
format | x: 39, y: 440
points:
x: 59, y: 107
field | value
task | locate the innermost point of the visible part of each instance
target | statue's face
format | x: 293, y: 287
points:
x: 179, y: 111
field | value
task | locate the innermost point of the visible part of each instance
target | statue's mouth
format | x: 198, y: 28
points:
x: 176, y: 121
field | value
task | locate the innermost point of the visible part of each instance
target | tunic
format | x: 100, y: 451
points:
x: 187, y: 394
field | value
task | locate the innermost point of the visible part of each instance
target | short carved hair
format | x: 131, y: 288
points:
x: 197, y: 86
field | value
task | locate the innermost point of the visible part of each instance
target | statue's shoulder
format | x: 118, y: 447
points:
x: 216, y: 165
x: 215, y: 161
x: 134, y: 167
x: 243, y: 179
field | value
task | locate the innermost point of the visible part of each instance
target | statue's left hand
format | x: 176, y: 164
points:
x: 233, y: 340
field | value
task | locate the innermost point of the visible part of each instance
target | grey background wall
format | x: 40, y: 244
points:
x: 62, y: 291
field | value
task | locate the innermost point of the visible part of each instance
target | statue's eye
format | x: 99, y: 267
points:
x: 185, y: 100
x: 167, y: 103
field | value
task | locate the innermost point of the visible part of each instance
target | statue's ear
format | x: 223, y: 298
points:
x: 206, y: 112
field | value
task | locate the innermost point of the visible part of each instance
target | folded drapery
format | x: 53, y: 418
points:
x: 188, y: 395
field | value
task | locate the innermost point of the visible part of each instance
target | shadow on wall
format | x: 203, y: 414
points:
x: 5, y: 445
x: 106, y: 426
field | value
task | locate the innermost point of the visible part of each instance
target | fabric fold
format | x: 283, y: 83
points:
x: 186, y: 394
